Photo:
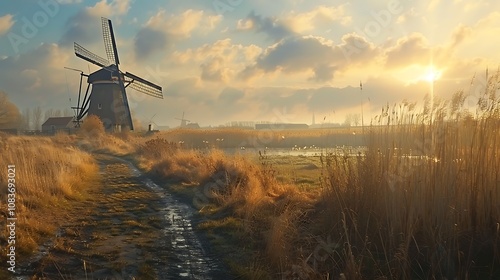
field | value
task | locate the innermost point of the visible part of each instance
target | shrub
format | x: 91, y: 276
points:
x: 92, y: 126
x: 157, y: 148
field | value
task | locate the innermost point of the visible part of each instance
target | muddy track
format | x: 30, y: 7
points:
x: 130, y: 228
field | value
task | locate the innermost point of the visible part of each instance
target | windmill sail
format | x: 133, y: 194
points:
x: 109, y: 41
x: 89, y: 56
x: 144, y: 86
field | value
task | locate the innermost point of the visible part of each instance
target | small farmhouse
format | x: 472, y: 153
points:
x: 55, y: 124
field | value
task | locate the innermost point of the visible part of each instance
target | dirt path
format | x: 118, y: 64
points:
x: 129, y: 229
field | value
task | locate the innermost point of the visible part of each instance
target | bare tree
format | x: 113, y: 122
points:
x: 356, y: 119
x: 67, y: 113
x: 58, y: 113
x: 26, y: 119
x: 10, y: 118
x: 49, y: 113
x: 37, y: 118
x: 348, y: 120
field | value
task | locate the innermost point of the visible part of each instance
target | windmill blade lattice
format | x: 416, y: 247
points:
x: 144, y: 86
x: 89, y: 56
x: 109, y: 41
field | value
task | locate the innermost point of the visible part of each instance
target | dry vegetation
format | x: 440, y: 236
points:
x: 10, y: 117
x: 421, y: 203
x: 93, y: 138
x: 49, y: 175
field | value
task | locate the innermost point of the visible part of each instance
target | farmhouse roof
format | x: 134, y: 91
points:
x: 58, y: 121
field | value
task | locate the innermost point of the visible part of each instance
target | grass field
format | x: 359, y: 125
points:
x: 422, y: 202
x: 49, y: 175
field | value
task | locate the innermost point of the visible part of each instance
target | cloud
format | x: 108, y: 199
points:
x: 245, y: 24
x: 105, y: 9
x: 204, y: 66
x: 477, y: 32
x: 85, y: 26
x: 185, y: 24
x: 320, y: 16
x: 82, y: 28
x: 308, y: 53
x: 413, y: 49
x: 64, y: 2
x: 218, y: 61
x: 407, y: 16
x: 230, y: 95
x: 292, y: 55
x: 332, y: 98
x: 460, y: 34
x: 37, y: 77
x: 31, y: 78
x: 273, y: 27
x: 148, y: 41
x: 358, y: 50
x: 6, y: 23
x: 432, y: 5
x: 183, y: 88
x: 294, y: 23
x: 170, y: 29
x: 323, y: 72
x: 214, y: 70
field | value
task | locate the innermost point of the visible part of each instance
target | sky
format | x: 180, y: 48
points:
x: 241, y: 60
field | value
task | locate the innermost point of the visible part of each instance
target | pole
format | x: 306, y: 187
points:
x: 362, y: 119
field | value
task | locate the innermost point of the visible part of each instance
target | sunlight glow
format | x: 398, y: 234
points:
x: 417, y: 73
x: 432, y: 74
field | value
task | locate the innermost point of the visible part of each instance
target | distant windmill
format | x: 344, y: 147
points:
x: 151, y: 122
x: 108, y: 99
x: 183, y: 120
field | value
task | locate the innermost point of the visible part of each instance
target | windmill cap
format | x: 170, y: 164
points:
x: 103, y: 75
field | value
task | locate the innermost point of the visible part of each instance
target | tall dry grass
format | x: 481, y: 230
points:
x: 50, y: 173
x: 232, y: 185
x: 423, y: 202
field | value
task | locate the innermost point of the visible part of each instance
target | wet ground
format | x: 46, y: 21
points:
x: 130, y: 228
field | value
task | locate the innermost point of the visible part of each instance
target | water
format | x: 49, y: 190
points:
x: 188, y: 259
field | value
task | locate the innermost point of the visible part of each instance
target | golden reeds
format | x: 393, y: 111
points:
x: 48, y: 176
x: 423, y: 201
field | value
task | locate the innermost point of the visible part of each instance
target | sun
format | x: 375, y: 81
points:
x: 432, y: 74
x: 418, y: 73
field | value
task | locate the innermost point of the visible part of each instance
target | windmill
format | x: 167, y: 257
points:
x: 151, y: 122
x: 108, y: 99
x: 183, y: 120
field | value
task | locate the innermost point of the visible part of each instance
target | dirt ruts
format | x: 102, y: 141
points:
x: 129, y: 228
